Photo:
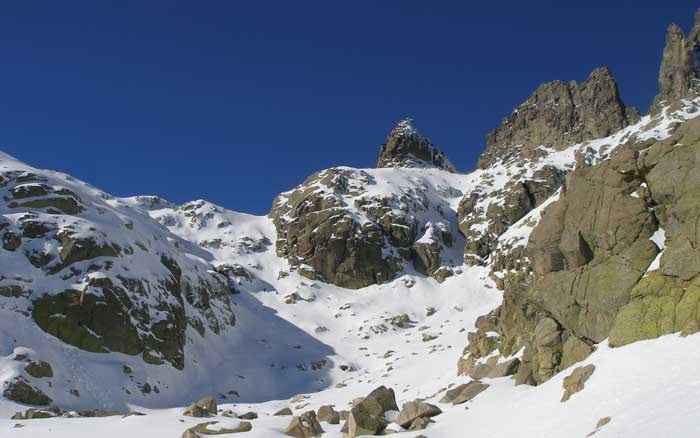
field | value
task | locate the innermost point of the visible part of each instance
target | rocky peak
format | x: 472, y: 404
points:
x: 406, y: 147
x: 679, y: 74
x: 558, y: 115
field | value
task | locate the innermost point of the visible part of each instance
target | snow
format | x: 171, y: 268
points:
x: 337, y: 336
x: 659, y: 239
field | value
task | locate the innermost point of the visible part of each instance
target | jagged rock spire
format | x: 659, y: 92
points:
x: 406, y: 147
x: 558, y: 115
x: 679, y: 74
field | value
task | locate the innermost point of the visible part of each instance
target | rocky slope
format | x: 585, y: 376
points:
x: 357, y: 227
x: 96, y: 273
x: 598, y: 265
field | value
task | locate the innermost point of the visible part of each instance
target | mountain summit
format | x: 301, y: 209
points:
x: 558, y: 115
x: 406, y: 147
x: 679, y: 74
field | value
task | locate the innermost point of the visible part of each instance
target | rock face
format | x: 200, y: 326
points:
x: 354, y: 228
x: 679, y: 77
x: 406, y: 147
x: 315, y: 228
x: 484, y: 216
x: 558, y: 115
x: 614, y: 257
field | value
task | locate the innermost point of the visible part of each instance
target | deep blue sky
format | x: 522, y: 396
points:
x: 235, y: 101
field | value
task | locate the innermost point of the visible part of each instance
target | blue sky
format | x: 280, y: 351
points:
x: 235, y: 101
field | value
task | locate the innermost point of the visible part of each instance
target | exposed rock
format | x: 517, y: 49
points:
x: 87, y: 245
x: 336, y: 227
x: 464, y: 392
x: 419, y: 423
x: 35, y: 414
x: 416, y: 409
x: 248, y: 416
x: 483, y: 217
x: 21, y: 391
x: 204, y: 407
x: 283, y: 412
x: 39, y: 369
x: 328, y: 414
x: 585, y: 283
x: 362, y: 422
x: 379, y: 401
x: 406, y: 147
x: 492, y: 368
x: 97, y: 413
x: 304, y: 426
x: 602, y: 422
x: 575, y: 381
x: 679, y: 77
x: 315, y: 229
x: 558, y: 115
x: 11, y: 241
x: 427, y: 249
x: 202, y: 429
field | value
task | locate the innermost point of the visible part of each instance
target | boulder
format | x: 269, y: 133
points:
x: 419, y: 423
x: 379, y: 401
x: 575, y: 381
x: 248, y: 416
x: 415, y: 409
x: 493, y: 368
x: 283, y: 412
x: 361, y: 422
x: 202, y: 429
x: 203, y: 408
x: 304, y: 426
x: 464, y: 392
x: 328, y: 414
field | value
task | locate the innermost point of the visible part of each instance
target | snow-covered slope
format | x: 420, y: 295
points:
x: 366, y: 277
x: 294, y: 334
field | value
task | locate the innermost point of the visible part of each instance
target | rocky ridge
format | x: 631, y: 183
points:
x: 596, y: 265
x: 558, y: 115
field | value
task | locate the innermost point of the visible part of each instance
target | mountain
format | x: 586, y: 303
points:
x: 556, y: 286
